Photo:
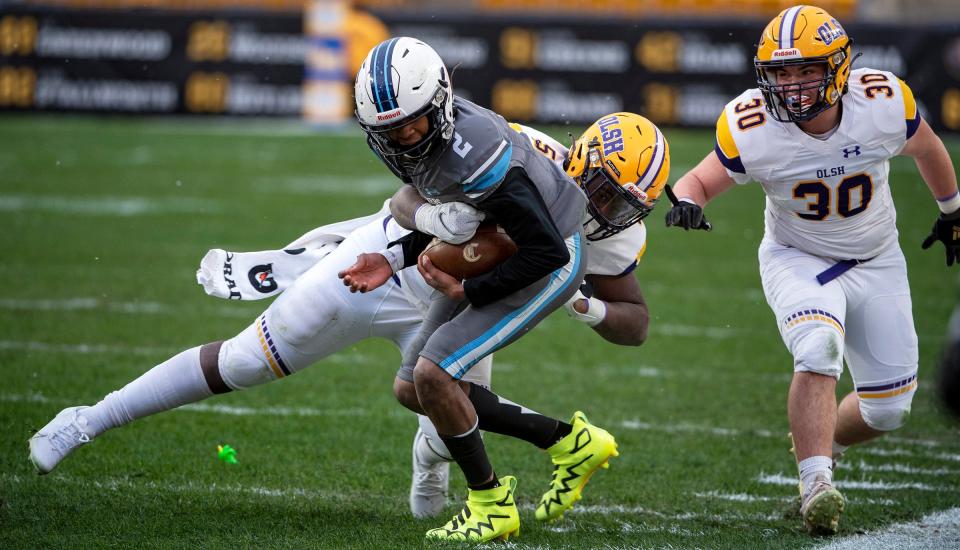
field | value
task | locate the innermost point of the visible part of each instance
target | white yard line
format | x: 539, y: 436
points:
x: 695, y: 331
x: 607, y: 509
x: 122, y: 485
x: 877, y: 451
x: 694, y: 428
x: 683, y: 427
x: 342, y: 357
x: 82, y: 304
x: 780, y: 479
x: 939, y: 530
x: 273, y: 411
x: 900, y: 469
x: 83, y: 348
x: 231, y: 410
x: 744, y: 497
x: 327, y: 185
x: 134, y: 308
x: 107, y: 205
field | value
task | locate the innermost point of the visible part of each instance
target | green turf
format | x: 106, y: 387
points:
x: 115, y: 214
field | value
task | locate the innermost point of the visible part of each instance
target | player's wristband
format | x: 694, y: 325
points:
x: 394, y: 256
x: 596, y: 309
x: 950, y: 204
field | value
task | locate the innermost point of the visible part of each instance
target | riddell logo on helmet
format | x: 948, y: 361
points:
x: 783, y: 54
x: 636, y: 192
x: 389, y: 115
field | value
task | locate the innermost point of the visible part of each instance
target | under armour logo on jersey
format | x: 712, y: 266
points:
x: 851, y: 150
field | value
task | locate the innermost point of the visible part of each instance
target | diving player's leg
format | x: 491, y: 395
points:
x: 296, y: 330
x: 881, y: 350
x: 810, y: 317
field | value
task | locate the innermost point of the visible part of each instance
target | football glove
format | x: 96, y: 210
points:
x: 946, y: 230
x: 596, y: 308
x: 452, y: 222
x: 685, y: 213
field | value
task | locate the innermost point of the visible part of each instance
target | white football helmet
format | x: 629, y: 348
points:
x: 401, y: 80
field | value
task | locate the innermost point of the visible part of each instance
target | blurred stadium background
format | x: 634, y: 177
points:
x: 135, y: 135
x: 676, y: 61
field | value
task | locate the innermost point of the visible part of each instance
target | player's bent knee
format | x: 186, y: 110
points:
x: 406, y: 394
x: 242, y: 363
x: 818, y: 349
x: 886, y: 416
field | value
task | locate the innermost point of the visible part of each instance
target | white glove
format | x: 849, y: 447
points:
x: 596, y: 309
x: 452, y: 222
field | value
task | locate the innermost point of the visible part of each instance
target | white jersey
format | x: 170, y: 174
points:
x: 615, y: 255
x: 829, y: 197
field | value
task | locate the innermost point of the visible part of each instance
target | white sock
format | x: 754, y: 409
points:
x: 838, y: 449
x: 175, y: 382
x: 811, y: 467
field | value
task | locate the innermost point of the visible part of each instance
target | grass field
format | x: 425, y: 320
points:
x: 104, y: 223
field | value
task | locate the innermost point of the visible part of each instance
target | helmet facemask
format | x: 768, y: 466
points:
x: 409, y: 160
x: 787, y: 102
x: 611, y: 207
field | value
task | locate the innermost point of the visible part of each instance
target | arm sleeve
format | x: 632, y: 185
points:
x: 412, y: 244
x: 518, y: 207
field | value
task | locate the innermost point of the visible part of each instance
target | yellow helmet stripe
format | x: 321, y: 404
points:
x: 659, y: 152
x: 787, y: 24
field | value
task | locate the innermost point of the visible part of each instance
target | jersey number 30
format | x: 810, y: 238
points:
x: 819, y: 196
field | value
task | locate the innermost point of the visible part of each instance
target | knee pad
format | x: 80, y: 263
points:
x: 886, y: 414
x: 299, y: 320
x: 243, y: 360
x: 817, y: 348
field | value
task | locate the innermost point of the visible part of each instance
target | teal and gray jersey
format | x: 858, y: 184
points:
x: 483, y: 149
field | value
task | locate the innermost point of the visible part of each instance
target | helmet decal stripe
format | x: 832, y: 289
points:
x: 391, y: 97
x: 788, y: 24
x: 374, y: 66
x: 648, y: 177
x: 379, y: 67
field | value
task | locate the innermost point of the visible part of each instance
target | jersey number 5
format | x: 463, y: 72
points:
x: 819, y: 206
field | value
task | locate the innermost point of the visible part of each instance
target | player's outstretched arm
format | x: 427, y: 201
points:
x: 368, y: 273
x: 615, y: 308
x: 695, y: 189
x: 937, y: 172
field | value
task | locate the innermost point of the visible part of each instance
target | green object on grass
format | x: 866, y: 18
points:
x: 227, y: 454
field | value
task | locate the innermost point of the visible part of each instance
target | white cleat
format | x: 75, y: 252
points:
x: 431, y: 478
x: 822, y: 507
x: 59, y: 438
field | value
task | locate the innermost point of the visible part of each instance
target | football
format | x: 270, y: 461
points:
x: 489, y: 247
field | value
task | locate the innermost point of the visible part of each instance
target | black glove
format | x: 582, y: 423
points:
x: 946, y: 230
x: 685, y: 214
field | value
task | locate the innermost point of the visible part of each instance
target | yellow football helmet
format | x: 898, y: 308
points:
x: 803, y: 35
x: 622, y: 163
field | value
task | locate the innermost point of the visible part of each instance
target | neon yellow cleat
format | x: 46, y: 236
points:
x: 576, y: 457
x: 489, y: 514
